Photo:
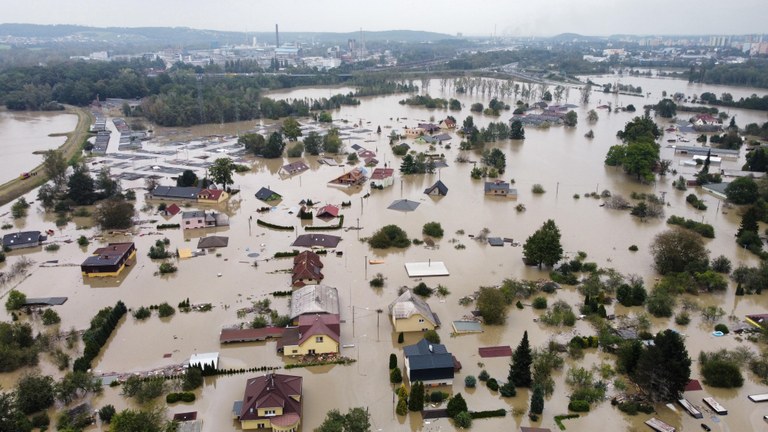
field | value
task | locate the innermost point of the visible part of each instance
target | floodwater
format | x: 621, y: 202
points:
x: 561, y: 160
x: 22, y: 133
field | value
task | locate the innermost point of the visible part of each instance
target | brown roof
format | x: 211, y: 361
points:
x: 272, y: 390
x: 318, y: 325
x: 210, y: 194
x: 382, y: 173
x: 496, y: 351
x: 173, y: 209
x: 306, y: 265
x: 249, y: 335
x: 328, y: 210
x: 308, y: 257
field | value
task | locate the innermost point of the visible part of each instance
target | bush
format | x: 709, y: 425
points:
x: 400, y: 338
x: 142, y: 313
x: 41, y: 420
x: 392, y: 361
x: 82, y: 240
x: 433, y: 229
x: 437, y: 396
x: 488, y: 414
x: 389, y: 236
x: 538, y: 189
x: 492, y: 384
x: 508, y: 390
x: 166, y: 268
x: 377, y: 281
x: 484, y: 375
x: 470, y: 381
x: 53, y: 247
x: 395, y: 376
x: 432, y: 336
x: 51, y: 317
x: 540, y: 303
x: 106, y: 413
x: 721, y: 264
x: 423, y: 290
x: 633, y: 248
x: 463, y: 420
x: 456, y: 405
x: 722, y: 373
x: 578, y: 406
x: 682, y: 318
x: 722, y: 328
x: 165, y: 310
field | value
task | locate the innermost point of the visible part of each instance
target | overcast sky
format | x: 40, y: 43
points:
x: 479, y: 17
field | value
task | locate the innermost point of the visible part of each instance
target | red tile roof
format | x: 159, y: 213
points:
x: 273, y: 390
x: 210, y: 194
x: 496, y: 351
x: 250, y: 335
x: 328, y: 210
x: 382, y: 173
x: 173, y: 209
x: 318, y: 325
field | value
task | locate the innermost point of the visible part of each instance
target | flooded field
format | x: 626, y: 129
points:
x: 561, y: 159
x: 23, y: 133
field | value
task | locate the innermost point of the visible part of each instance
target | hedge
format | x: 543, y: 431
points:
x: 579, y: 406
x: 273, y: 226
x: 329, y: 227
x: 501, y: 412
x: 180, y: 397
x: 290, y: 254
x: 102, y: 325
x: 341, y: 361
x: 559, y: 419
x: 168, y: 226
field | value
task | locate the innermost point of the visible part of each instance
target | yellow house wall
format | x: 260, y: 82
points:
x: 254, y: 424
x: 289, y: 428
x: 412, y: 324
x: 262, y: 412
x: 328, y: 345
x: 114, y: 273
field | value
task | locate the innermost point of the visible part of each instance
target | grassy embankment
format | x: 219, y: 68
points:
x: 71, y: 148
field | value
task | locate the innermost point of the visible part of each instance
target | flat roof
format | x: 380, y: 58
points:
x: 426, y: 268
x: 205, y: 359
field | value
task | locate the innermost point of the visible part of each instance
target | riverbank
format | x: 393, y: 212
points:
x: 17, y: 187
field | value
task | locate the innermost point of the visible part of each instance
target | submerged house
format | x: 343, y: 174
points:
x: 383, y: 177
x: 175, y: 193
x: 266, y: 194
x: 306, y: 269
x: 313, y: 300
x: 328, y: 211
x: 293, y: 168
x: 200, y: 219
x: 429, y: 363
x: 447, y: 123
x: 315, y: 334
x: 437, y: 189
x: 411, y: 313
x: 272, y: 402
x: 109, y: 260
x: 354, y: 177
x: 212, y: 196
x: 500, y: 188
x: 23, y: 239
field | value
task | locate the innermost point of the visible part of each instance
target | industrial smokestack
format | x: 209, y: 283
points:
x: 277, y: 37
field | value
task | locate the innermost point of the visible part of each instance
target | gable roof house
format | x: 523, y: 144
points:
x: 413, y: 132
x: 354, y: 177
x: 306, y: 269
x: 175, y: 193
x: 383, y: 177
x: 447, y: 123
x: 411, y: 313
x: 109, y: 260
x: 439, y: 188
x: 313, y: 300
x: 293, y: 168
x: 23, y: 239
x: 200, y: 219
x: 328, y: 211
x: 315, y: 334
x: 429, y: 363
x: 429, y: 128
x: 265, y: 194
x: 271, y: 401
x: 366, y: 154
x: 500, y: 188
x: 212, y: 196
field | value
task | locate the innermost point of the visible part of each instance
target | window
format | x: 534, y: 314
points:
x: 319, y: 339
x: 421, y: 320
x: 186, y: 222
x: 269, y: 413
x: 295, y: 351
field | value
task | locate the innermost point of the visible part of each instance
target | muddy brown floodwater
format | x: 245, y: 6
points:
x: 560, y: 159
x: 23, y: 133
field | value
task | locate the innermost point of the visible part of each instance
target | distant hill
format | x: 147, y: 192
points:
x: 188, y: 36
x: 567, y: 37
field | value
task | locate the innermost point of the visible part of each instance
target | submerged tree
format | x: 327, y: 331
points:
x: 543, y: 246
x: 520, y: 369
x: 664, y: 368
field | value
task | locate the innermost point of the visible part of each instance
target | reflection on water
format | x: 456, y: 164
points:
x: 561, y: 160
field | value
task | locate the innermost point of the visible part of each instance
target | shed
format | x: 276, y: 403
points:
x: 266, y: 194
x: 439, y: 188
x: 213, y: 242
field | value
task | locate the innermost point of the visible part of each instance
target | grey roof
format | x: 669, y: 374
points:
x: 704, y: 150
x: 193, y: 214
x: 716, y: 188
x: 426, y: 355
x: 316, y: 240
x: 45, y: 301
x: 495, y: 241
x: 313, y: 299
x: 176, y: 192
x: 403, y: 205
x: 441, y: 188
x: 408, y: 304
x: 212, y: 242
x: 442, y: 137
x: 497, y: 185
x: 22, y: 238
x: 295, y: 166
x: 264, y: 194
